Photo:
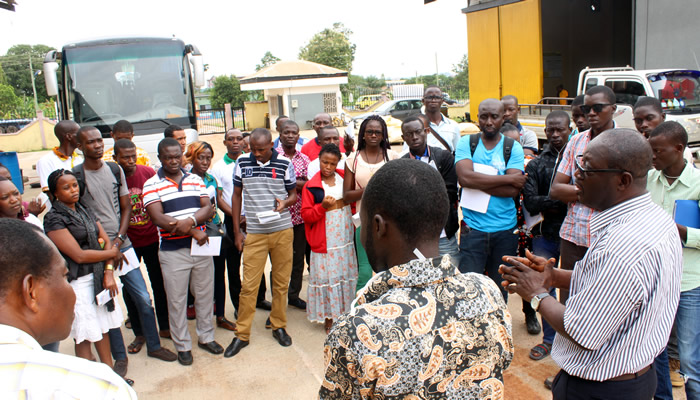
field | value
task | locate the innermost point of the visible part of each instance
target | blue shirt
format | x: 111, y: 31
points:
x: 501, y: 213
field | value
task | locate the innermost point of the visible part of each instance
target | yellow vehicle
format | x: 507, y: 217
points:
x: 367, y: 101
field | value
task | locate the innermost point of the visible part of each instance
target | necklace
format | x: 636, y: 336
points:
x: 372, y: 169
x: 676, y: 177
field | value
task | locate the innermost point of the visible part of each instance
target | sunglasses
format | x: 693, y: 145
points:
x: 595, y: 107
x: 585, y: 171
x: 428, y: 98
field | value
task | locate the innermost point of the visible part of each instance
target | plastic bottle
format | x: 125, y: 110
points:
x: 676, y: 104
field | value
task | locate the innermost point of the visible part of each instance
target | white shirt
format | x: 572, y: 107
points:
x: 30, y: 372
x: 224, y: 174
x: 50, y: 162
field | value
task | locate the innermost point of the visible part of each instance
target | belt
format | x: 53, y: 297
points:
x: 627, y: 377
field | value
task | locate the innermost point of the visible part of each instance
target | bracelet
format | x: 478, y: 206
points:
x: 194, y: 219
x: 109, y: 267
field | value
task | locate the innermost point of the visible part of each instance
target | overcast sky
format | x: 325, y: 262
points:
x: 399, y: 38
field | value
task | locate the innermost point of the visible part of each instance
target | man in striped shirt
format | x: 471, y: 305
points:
x: 267, y: 182
x: 624, y: 292
x: 178, y: 204
x: 36, y: 307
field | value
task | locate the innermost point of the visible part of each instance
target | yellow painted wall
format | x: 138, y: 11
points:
x: 521, y: 51
x: 255, y: 114
x: 29, y: 138
x: 484, y: 57
x: 505, y: 53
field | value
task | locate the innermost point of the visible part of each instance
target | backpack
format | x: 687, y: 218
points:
x: 507, y: 146
x: 79, y: 171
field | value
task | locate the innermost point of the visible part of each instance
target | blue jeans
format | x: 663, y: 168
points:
x: 688, y: 331
x: 546, y: 248
x: 481, y: 252
x: 664, y: 390
x: 451, y: 247
x: 136, y: 287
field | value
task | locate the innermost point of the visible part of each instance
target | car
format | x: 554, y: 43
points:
x: 399, y: 109
x: 368, y: 100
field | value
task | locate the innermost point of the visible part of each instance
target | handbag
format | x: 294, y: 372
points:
x: 219, y: 229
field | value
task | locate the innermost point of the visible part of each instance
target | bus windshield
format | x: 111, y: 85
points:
x: 677, y: 90
x: 139, y: 82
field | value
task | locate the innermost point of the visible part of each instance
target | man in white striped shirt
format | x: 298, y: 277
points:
x: 624, y: 292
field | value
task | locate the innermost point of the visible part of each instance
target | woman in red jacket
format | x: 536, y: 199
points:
x: 329, y: 232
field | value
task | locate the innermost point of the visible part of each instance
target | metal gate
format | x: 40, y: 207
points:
x: 214, y: 120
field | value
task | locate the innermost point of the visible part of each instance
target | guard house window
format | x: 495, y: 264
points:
x: 626, y: 91
x: 272, y: 101
x: 330, y: 105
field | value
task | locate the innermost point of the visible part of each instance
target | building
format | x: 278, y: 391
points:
x: 528, y: 47
x: 299, y: 89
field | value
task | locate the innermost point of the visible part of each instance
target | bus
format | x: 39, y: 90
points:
x: 147, y: 81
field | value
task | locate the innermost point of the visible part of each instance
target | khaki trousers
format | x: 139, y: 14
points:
x: 255, y: 250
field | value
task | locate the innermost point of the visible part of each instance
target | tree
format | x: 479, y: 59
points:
x: 267, y: 60
x: 16, y: 66
x: 227, y: 89
x: 9, y: 102
x: 331, y: 47
x: 373, y: 82
x: 461, y: 79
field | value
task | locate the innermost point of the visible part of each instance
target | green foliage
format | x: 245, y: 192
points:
x: 16, y: 66
x: 3, y: 77
x: 227, y: 89
x: 461, y: 79
x: 267, y: 60
x: 427, y: 80
x: 9, y: 102
x: 331, y: 47
x: 373, y: 82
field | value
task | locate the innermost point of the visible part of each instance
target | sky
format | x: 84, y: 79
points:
x: 397, y: 38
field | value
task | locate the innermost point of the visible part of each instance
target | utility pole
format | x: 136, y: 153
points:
x: 437, y: 75
x: 31, y: 72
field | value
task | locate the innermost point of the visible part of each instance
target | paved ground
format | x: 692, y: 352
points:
x: 265, y: 370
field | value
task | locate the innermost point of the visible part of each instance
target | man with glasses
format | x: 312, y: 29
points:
x: 599, y: 107
x: 442, y: 131
x: 624, y: 292
x: 313, y: 147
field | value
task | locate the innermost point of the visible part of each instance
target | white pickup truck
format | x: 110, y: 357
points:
x: 677, y: 89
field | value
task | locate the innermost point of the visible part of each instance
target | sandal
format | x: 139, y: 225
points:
x: 540, y: 351
x: 136, y: 345
x: 327, y: 325
x: 130, y: 382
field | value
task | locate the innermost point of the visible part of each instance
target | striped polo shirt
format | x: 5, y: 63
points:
x: 262, y: 184
x: 179, y: 201
x: 623, y: 294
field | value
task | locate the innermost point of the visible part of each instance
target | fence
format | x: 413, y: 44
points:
x: 353, y: 97
x: 214, y: 120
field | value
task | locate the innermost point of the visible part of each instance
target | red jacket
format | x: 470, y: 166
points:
x: 312, y: 148
x: 313, y: 213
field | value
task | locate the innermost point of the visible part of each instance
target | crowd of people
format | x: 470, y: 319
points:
x: 411, y: 295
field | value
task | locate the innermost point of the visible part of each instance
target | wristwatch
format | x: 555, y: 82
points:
x: 535, y: 301
x: 121, y: 237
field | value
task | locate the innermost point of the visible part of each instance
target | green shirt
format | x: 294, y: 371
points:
x: 686, y: 187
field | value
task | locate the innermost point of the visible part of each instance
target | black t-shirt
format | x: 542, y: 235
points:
x: 56, y: 220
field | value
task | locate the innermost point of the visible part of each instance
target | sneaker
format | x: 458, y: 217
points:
x: 674, y: 367
x: 533, y: 325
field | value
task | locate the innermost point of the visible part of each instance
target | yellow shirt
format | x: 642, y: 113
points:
x: 142, y: 157
x: 563, y: 93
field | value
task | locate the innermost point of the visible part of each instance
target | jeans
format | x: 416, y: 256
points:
x: 116, y: 344
x: 135, y: 286
x: 481, y: 252
x: 688, y: 331
x: 451, y: 247
x: 547, y: 248
x: 51, y: 347
x: 664, y: 390
x: 149, y: 254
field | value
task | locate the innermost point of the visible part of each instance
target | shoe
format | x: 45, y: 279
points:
x: 163, y: 354
x: 533, y: 325
x: 264, y: 305
x: 540, y: 351
x: 222, y: 322
x: 184, y: 357
x: 298, y: 303
x: 282, y: 338
x: 235, y: 346
x: 268, y: 324
x: 127, y: 323
x: 548, y: 382
x: 674, y: 367
x: 165, y: 334
x: 120, y: 367
x: 191, y: 313
x: 212, y: 347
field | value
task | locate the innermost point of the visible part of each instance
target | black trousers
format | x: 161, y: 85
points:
x: 149, y: 255
x: 567, y: 387
x: 299, y: 246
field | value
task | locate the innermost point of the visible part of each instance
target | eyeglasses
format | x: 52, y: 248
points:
x: 585, y: 171
x: 428, y: 98
x: 595, y: 107
x: 374, y: 133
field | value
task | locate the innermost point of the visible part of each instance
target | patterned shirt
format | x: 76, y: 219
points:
x: 142, y: 157
x: 301, y: 165
x: 623, y: 294
x: 29, y: 372
x: 421, y: 328
x: 578, y: 217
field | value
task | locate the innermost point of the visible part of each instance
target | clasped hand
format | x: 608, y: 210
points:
x: 528, y: 276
